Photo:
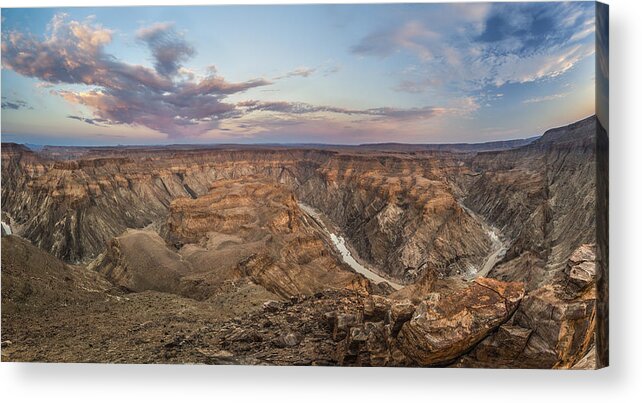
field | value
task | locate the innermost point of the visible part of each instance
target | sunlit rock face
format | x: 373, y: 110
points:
x: 239, y: 229
x: 447, y: 324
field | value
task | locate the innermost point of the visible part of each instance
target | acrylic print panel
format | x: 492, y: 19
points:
x: 403, y: 185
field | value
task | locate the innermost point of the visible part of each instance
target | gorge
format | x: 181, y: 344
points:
x: 289, y: 255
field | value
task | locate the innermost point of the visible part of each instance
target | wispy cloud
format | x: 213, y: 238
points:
x: 545, y: 98
x: 331, y: 69
x: 95, y: 121
x: 415, y: 86
x: 495, y: 45
x: 301, y: 108
x: 412, y: 36
x: 298, y: 72
x: 15, y: 104
x: 324, y: 69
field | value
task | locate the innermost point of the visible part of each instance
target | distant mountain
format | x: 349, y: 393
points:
x: 34, y: 147
x: 456, y: 147
x: 71, y: 152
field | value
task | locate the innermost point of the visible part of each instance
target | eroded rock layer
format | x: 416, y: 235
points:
x: 239, y: 229
x: 203, y: 254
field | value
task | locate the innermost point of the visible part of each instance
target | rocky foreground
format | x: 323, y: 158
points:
x: 203, y: 255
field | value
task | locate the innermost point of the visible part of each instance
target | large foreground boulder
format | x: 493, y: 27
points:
x: 446, y: 325
x: 554, y: 326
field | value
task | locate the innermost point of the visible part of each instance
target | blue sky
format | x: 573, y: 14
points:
x: 349, y: 74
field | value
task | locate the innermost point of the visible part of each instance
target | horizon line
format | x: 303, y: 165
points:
x: 300, y: 143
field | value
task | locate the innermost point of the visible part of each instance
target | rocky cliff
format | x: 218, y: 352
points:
x: 219, y: 230
x: 240, y: 229
x: 398, y: 212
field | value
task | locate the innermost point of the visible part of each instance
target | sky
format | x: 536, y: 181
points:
x: 338, y: 74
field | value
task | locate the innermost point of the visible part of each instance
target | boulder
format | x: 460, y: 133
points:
x: 375, y: 308
x: 563, y: 328
x: 366, y: 345
x: 557, y: 321
x: 272, y: 306
x: 447, y: 325
x: 290, y: 339
x: 580, y: 272
x: 343, y: 323
x: 400, y: 313
x: 503, y: 346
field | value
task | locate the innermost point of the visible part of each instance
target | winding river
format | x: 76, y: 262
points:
x: 6, y: 227
x: 496, y: 254
x: 340, y: 243
x: 498, y: 250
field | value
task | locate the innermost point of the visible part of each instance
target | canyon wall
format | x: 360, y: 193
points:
x: 219, y: 230
x: 398, y: 212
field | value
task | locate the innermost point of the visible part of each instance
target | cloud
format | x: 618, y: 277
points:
x: 545, y: 98
x: 73, y: 52
x: 167, y: 46
x: 95, y: 122
x: 325, y: 69
x: 216, y: 85
x: 492, y: 45
x: 424, y: 33
x: 43, y: 85
x: 412, y: 36
x: 300, y: 108
x: 331, y: 69
x: 516, y: 69
x: 415, y: 86
x: 588, y: 30
x: 299, y: 72
x: 15, y: 105
x: 529, y: 27
x: 169, y: 98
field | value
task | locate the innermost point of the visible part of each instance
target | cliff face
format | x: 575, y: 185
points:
x: 73, y: 207
x: 398, y: 212
x: 222, y: 226
x: 543, y: 198
x: 240, y: 229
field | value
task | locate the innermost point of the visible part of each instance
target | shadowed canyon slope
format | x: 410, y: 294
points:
x: 217, y: 237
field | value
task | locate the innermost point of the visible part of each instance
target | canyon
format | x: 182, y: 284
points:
x: 489, y: 255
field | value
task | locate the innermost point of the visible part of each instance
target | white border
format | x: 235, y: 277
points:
x: 116, y: 383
